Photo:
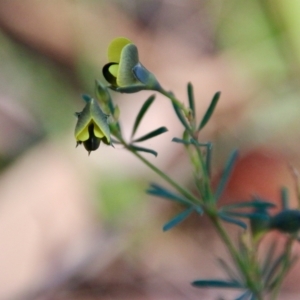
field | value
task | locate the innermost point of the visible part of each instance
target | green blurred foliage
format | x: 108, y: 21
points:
x: 121, y: 199
x: 36, y: 81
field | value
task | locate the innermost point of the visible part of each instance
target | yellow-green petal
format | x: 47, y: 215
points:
x: 113, y: 70
x: 129, y: 58
x: 92, y: 113
x: 98, y: 132
x: 83, y: 135
x: 81, y: 129
x: 115, y: 48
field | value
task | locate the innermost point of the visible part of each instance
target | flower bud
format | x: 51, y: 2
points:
x: 92, y: 126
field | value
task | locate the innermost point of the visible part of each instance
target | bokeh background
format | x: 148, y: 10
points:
x: 74, y: 226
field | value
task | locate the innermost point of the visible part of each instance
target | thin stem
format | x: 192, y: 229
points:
x: 224, y: 236
x: 285, y: 268
x: 193, y: 134
x: 206, y: 178
x: 236, y: 257
x: 175, y: 101
x: 179, y: 188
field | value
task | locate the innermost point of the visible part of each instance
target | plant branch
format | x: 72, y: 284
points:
x: 285, y: 268
x: 163, y: 175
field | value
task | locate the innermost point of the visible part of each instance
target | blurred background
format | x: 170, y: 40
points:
x: 74, y: 226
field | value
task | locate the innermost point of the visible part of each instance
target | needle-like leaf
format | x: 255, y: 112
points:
x: 249, y: 204
x: 151, y: 134
x: 210, y: 110
x: 181, y: 116
x: 178, y: 219
x: 190, y: 91
x: 214, y: 283
x: 141, y: 113
x: 228, y: 219
x: 141, y: 149
x: 226, y: 174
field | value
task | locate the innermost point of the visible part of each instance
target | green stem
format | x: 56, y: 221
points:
x: 163, y: 175
x: 208, y: 198
x: 235, y: 256
x: 285, y: 268
x: 192, y: 134
x: 224, y: 236
x: 175, y: 101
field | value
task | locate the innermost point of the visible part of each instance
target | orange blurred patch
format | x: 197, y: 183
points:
x: 263, y: 173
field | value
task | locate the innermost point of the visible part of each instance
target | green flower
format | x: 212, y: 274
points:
x: 92, y: 126
x: 124, y: 71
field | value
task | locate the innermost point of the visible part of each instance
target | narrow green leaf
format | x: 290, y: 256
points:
x: 156, y: 190
x: 115, y: 141
x: 251, y: 215
x: 208, y: 157
x: 181, y: 116
x: 250, y: 204
x: 100, y: 90
x: 141, y: 149
x: 214, y: 283
x: 151, y: 134
x: 159, y: 191
x: 141, y: 113
x: 210, y: 110
x: 228, y: 219
x: 285, y: 198
x: 190, y: 91
x: 226, y: 174
x: 180, y: 141
x: 178, y: 219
